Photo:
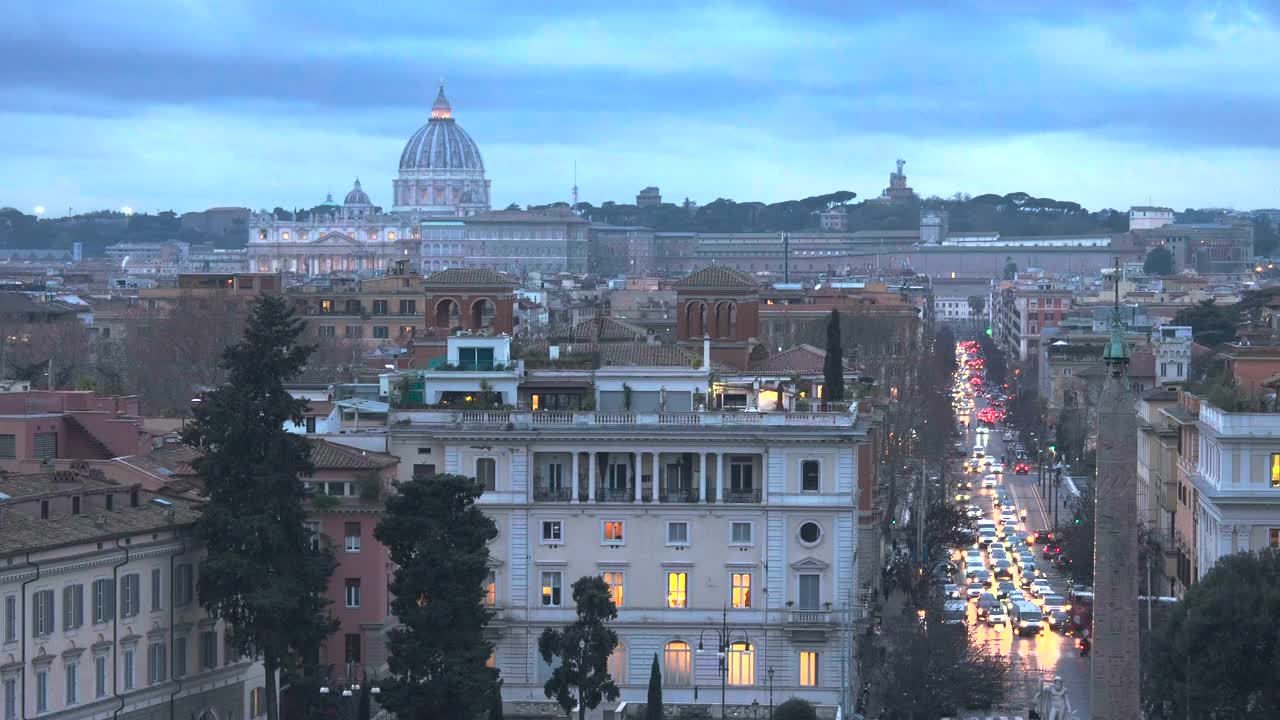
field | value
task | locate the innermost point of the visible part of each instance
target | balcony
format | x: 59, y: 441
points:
x: 572, y: 420
x: 809, y: 617
x: 544, y: 493
x: 613, y: 494
x: 742, y: 496
x: 678, y: 495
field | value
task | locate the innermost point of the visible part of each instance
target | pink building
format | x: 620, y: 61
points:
x: 67, y: 424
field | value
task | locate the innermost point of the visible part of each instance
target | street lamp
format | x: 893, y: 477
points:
x: 770, y: 674
x: 724, y: 638
x: 347, y: 691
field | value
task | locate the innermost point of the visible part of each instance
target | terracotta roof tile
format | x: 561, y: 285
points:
x: 717, y: 276
x: 464, y: 277
x: 802, y: 358
x: 598, y: 328
x: 327, y: 455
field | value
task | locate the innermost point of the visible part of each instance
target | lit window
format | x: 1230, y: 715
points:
x: 618, y: 664
x: 613, y: 532
x: 1275, y: 470
x: 391, y: 235
x: 741, y: 590
x: 551, y: 589
x: 491, y: 590
x: 1275, y: 537
x: 808, y: 669
x: 677, y: 533
x: 492, y: 660
x: 742, y: 664
x: 677, y: 590
x: 615, y: 582
x: 677, y: 664
x: 740, y: 533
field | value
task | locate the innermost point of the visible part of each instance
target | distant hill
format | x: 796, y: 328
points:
x: 97, y: 230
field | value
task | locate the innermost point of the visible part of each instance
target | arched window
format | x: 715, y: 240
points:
x: 677, y: 664
x: 720, y: 321
x: 742, y: 664
x: 733, y: 320
x: 447, y: 314
x: 696, y: 318
x: 482, y: 312
x: 618, y: 664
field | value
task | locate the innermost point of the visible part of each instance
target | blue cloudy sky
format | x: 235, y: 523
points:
x: 186, y: 104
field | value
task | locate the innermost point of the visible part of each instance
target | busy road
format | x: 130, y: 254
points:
x: 1011, y: 586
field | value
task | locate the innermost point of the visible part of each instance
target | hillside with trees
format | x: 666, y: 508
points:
x: 99, y: 229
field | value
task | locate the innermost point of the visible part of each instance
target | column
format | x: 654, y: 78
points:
x: 657, y: 475
x: 573, y: 474
x: 719, y: 477
x: 702, y: 477
x: 764, y: 476
x: 591, y: 477
x: 639, y: 460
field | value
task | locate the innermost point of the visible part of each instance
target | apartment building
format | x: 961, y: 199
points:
x: 1162, y: 506
x: 1021, y: 312
x: 367, y: 313
x: 99, y: 612
x: 618, y: 469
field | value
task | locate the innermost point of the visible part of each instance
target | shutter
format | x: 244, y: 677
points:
x: 46, y: 445
x: 8, y: 446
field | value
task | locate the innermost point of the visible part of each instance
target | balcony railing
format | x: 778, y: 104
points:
x: 679, y: 495
x: 578, y: 419
x: 608, y: 494
x: 544, y: 493
x: 742, y: 496
x: 809, y: 617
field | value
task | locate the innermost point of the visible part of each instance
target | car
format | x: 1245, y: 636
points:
x: 971, y: 569
x: 1040, y: 537
x: 1003, y: 572
x: 986, y: 602
x: 973, y: 555
x: 997, y: 468
x: 997, y: 617
x: 951, y: 590
x: 1014, y: 596
x: 1058, y: 620
x: 972, y: 465
x: 1022, y: 468
x: 979, y: 451
x: 974, y: 513
x: 1054, y: 602
x: 989, y: 482
x: 974, y: 590
x: 1025, y: 580
x: 1024, y: 559
x: 1023, y: 537
x: 1051, y: 550
x: 1030, y: 570
x: 983, y: 577
x: 963, y: 496
x: 1039, y: 588
x: 1026, y: 618
x: 1007, y: 437
x: 1003, y: 588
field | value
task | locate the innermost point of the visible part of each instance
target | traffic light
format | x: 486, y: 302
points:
x: 1053, y: 449
x: 1076, y: 520
x: 989, y: 332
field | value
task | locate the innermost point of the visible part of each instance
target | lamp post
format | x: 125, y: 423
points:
x: 770, y: 674
x: 724, y: 639
x: 345, y: 691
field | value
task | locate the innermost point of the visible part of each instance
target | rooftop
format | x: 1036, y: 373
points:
x: 598, y: 328
x: 468, y: 277
x: 717, y: 276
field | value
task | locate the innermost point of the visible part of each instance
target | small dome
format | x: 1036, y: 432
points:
x: 328, y: 201
x: 357, y: 196
x: 441, y: 144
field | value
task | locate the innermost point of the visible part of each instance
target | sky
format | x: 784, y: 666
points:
x: 189, y: 104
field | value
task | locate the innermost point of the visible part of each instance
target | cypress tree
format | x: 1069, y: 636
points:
x: 833, y: 364
x: 260, y: 573
x: 653, y: 705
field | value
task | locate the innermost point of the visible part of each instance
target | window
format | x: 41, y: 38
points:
x: 11, y: 618
x: 100, y: 676
x: 1275, y: 470
x: 257, y: 702
x: 179, y: 656
x: 183, y: 584
x: 555, y: 476
x: 352, y: 531
x: 312, y: 527
x: 424, y: 470
x: 72, y: 607
x: 810, y: 533
x: 72, y: 685
x: 353, y: 331
x: 353, y: 592
x: 209, y: 649
x: 551, y: 589
x: 487, y: 472
x: 552, y: 531
x: 128, y: 669
x: 618, y: 664
x: 742, y: 664
x: 42, y: 691
x: 155, y: 590
x: 810, y: 476
x: 155, y: 663
x: 75, y: 505
x: 491, y: 589
x: 41, y: 613
x: 740, y: 533
x: 741, y: 583
x: 611, y: 532
x: 475, y: 358
x: 104, y: 601
x: 8, y: 446
x: 677, y: 664
x: 326, y: 331
x: 741, y: 474
x: 380, y: 332
x: 11, y: 699
x: 379, y: 307
x: 677, y: 590
x: 46, y: 445
x: 406, y: 331
x: 130, y: 589
x: 808, y: 668
x: 808, y: 591
x: 678, y: 533
x: 408, y: 307
x: 615, y: 580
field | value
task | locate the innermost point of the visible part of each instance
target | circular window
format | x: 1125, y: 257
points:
x: 810, y: 533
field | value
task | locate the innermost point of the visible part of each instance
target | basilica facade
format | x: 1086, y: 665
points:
x: 441, y: 179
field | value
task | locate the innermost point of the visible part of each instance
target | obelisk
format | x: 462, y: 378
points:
x: 1113, y: 680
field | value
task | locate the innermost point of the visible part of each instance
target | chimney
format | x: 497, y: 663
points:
x: 706, y: 352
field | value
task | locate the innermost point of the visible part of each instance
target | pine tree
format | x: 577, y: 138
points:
x: 833, y: 364
x: 583, y: 648
x: 653, y: 704
x: 260, y: 572
x: 438, y: 539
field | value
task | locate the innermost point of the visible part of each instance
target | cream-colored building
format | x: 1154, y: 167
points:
x: 98, y: 612
x: 688, y: 514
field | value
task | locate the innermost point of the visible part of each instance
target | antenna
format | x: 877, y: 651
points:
x: 574, y: 204
x: 1116, y: 306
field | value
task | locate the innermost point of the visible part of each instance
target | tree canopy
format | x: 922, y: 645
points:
x: 582, y: 648
x: 833, y: 363
x: 1159, y: 261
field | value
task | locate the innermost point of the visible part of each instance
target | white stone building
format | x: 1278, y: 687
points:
x: 1237, y: 479
x: 687, y: 513
x: 98, y: 612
